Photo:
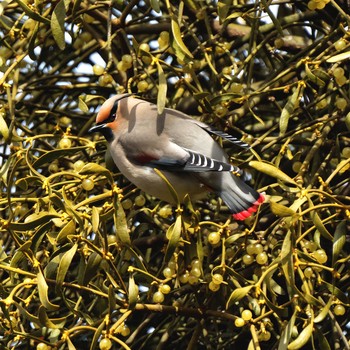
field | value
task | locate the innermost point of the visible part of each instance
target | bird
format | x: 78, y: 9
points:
x: 183, y: 149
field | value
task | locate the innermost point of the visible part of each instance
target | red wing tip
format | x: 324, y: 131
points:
x: 246, y: 213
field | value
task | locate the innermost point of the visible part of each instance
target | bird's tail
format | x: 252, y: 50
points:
x: 241, y: 199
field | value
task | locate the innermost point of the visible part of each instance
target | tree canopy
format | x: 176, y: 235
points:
x: 87, y: 260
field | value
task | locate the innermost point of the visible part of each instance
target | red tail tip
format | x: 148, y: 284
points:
x: 246, y: 213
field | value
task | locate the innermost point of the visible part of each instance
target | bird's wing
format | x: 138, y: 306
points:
x: 209, y: 129
x: 193, y: 162
x: 225, y: 136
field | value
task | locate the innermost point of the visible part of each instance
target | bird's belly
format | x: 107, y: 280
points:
x: 150, y: 182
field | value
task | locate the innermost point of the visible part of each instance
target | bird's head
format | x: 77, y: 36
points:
x: 107, y: 115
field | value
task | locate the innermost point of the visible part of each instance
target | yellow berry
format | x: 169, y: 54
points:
x: 97, y: 69
x: 144, y: 47
x: 86, y: 36
x: 250, y: 249
x: 341, y: 80
x: 341, y: 103
x: 140, y: 200
x: 296, y: 166
x: 192, y: 279
x: 308, y: 272
x: 127, y: 59
x: 340, y: 44
x: 279, y: 42
x: 168, y: 272
x: 227, y: 71
x: 195, y: 272
x: 214, y: 238
x: 125, y: 330
x: 53, y: 168
x: 247, y: 259
x: 246, y: 315
x: 165, y: 212
x: 312, y: 5
x: 265, y: 336
x: 105, y: 344
x: 142, y: 85
x: 217, y: 278
x: 258, y: 248
x: 158, y: 297
x: 78, y: 165
x: 338, y: 72
x: 165, y: 288
x: 183, y: 278
x: 339, y: 310
x: 105, y: 79
x: 42, y: 346
x: 213, y: 286
x: 111, y: 239
x: 261, y: 258
x: 87, y: 184
x: 346, y: 152
x: 221, y: 111
x: 239, y: 322
x: 65, y: 143
x: 320, y: 255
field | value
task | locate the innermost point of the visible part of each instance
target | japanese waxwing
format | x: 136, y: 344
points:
x: 177, y: 145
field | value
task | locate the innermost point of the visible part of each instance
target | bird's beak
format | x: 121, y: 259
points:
x: 97, y: 128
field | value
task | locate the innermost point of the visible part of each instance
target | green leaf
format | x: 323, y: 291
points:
x: 43, y: 293
x: 4, y: 130
x: 287, y: 262
x: 121, y: 224
x: 321, y: 339
x: 92, y: 266
x: 95, y: 219
x: 68, y: 229
x: 291, y: 105
x: 173, y: 235
x: 57, y: 24
x: 65, y: 263
x: 25, y: 182
x: 82, y: 105
x: 133, y: 292
x: 313, y: 77
x: 162, y: 89
x: 320, y: 227
x: 32, y: 221
x: 223, y: 9
x: 155, y: 5
x: 33, y: 42
x: 93, y: 168
x: 287, y: 332
x: 50, y: 156
x: 177, y: 43
x: 169, y: 185
x: 50, y: 323
x: 271, y: 170
x: 340, y: 57
x: 70, y: 344
x: 339, y: 240
x: 324, y: 311
x: 238, y: 294
x: 97, y: 335
x: 32, y: 14
x: 281, y: 210
x: 336, y: 292
x: 302, y: 338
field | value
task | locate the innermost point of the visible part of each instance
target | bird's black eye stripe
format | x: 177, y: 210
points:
x: 112, y: 114
x: 114, y: 110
